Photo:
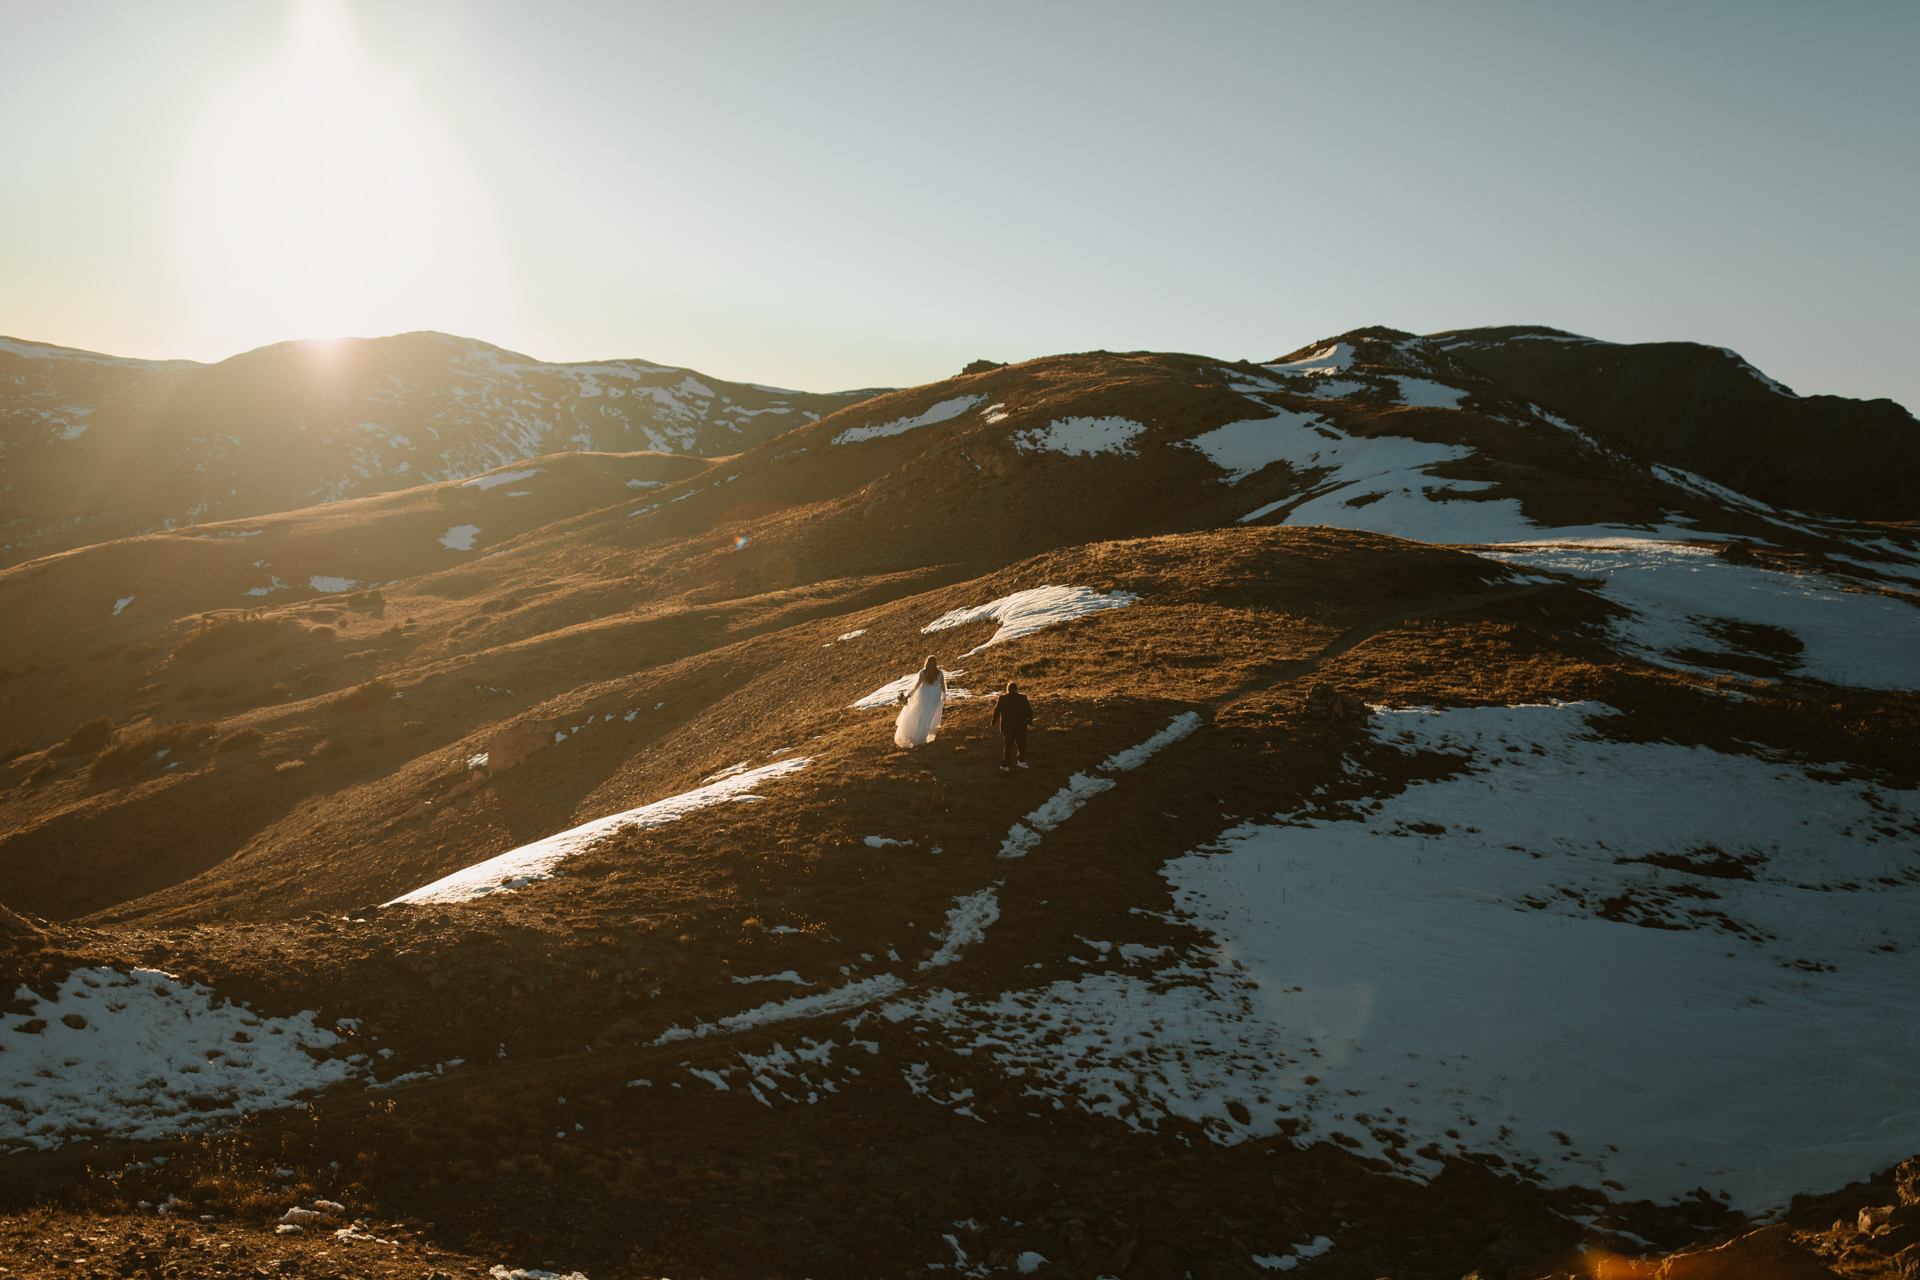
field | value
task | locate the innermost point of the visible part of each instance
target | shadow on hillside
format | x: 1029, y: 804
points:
x: 162, y: 836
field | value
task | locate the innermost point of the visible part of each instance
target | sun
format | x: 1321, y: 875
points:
x: 321, y: 197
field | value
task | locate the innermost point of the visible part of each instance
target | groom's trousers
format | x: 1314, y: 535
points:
x: 1016, y: 744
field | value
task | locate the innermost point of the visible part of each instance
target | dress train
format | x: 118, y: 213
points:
x: 919, y: 721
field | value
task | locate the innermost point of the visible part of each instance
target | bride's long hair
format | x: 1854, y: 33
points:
x: 929, y: 674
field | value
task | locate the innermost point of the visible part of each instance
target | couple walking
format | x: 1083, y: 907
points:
x: 919, y: 720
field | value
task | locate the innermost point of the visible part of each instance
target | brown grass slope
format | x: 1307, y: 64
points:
x: 98, y: 447
x: 801, y: 510
x: 579, y: 975
x: 61, y: 610
x: 709, y: 608
x: 578, y: 594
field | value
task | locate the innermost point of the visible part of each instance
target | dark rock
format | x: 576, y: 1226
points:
x: 1324, y: 702
x: 1767, y: 1254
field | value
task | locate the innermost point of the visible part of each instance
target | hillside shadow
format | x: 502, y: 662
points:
x: 119, y: 845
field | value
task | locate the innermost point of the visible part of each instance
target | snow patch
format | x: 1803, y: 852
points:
x: 460, y: 537
x: 1060, y: 806
x: 1329, y: 359
x: 151, y: 1057
x: 1421, y: 393
x: 788, y: 976
x: 1242, y: 448
x: 1778, y: 388
x: 838, y: 1000
x: 967, y: 924
x: 1064, y: 803
x: 1688, y: 606
x: 500, y: 478
x: 942, y: 412
x: 1133, y: 757
x: 122, y: 603
x: 1080, y: 437
x: 537, y: 861
x: 1025, y: 612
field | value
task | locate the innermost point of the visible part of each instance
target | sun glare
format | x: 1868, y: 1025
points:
x: 322, y: 198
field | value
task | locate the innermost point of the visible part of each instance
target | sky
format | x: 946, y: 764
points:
x: 838, y: 195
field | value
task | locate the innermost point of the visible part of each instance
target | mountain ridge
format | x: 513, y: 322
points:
x: 1711, y: 411
x: 95, y: 446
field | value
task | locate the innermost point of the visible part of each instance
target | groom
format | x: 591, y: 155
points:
x: 1012, y: 714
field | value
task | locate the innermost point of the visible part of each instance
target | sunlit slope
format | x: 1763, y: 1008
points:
x: 99, y: 447
x: 1374, y: 430
x: 84, y: 630
x: 510, y: 580
x: 478, y: 601
x: 696, y: 680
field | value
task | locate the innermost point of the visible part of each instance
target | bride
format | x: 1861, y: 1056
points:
x: 919, y: 720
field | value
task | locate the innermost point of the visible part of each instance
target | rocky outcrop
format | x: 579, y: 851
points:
x: 1324, y: 702
x: 513, y: 743
x: 1767, y: 1254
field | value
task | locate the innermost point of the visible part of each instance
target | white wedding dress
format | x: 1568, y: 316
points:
x: 919, y: 721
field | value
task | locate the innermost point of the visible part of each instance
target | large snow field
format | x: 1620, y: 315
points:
x: 1025, y: 612
x: 1433, y: 968
x: 1380, y: 484
x: 146, y: 1055
x: 538, y: 860
x: 1683, y: 597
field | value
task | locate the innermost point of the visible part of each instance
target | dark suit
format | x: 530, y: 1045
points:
x: 1012, y: 714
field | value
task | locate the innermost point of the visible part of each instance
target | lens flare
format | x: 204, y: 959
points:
x: 321, y: 197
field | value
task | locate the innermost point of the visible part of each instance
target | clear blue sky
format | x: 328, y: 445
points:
x: 827, y: 195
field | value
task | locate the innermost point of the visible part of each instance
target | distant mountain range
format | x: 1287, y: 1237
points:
x: 94, y: 447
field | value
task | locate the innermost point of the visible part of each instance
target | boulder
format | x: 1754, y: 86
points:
x: 12, y: 922
x: 1324, y: 702
x: 515, y: 742
x: 1767, y: 1254
x: 1906, y: 1181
